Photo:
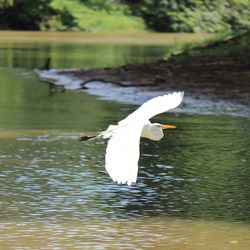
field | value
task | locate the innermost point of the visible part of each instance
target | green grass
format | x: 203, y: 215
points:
x: 214, y: 45
x: 193, y: 47
x: 91, y: 20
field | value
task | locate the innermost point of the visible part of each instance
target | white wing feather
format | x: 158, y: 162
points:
x: 155, y: 106
x: 122, y: 153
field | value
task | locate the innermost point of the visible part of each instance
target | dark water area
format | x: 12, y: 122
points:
x: 192, y: 190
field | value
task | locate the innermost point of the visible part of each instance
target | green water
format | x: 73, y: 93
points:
x: 193, y: 185
x: 34, y: 55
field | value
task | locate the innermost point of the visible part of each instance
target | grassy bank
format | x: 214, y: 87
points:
x: 94, y: 20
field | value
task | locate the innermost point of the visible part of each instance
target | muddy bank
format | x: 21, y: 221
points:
x: 218, y: 71
x: 203, y: 75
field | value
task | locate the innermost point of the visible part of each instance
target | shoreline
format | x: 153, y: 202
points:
x: 217, y: 71
x: 197, y: 100
x: 225, y: 82
x: 116, y: 38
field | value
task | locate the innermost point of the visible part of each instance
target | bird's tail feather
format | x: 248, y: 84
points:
x: 105, y: 134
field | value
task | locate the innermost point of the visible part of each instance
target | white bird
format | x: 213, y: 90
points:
x: 122, y: 153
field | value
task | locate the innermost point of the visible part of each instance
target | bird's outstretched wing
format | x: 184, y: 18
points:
x: 155, y: 106
x: 122, y: 153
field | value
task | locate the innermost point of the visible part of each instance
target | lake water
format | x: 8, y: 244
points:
x: 193, y: 186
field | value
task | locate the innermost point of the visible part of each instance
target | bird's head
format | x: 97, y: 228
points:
x: 154, y: 131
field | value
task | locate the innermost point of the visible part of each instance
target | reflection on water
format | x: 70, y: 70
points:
x: 69, y: 50
x: 76, y: 55
x: 192, y: 190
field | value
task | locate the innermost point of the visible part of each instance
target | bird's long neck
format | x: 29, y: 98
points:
x: 152, y: 132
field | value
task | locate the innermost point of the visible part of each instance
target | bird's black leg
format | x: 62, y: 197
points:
x: 86, y: 138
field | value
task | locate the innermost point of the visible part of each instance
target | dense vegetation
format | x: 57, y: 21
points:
x: 84, y: 15
x: 193, y: 15
x: 92, y: 15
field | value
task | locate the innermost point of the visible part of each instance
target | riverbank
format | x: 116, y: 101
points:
x: 218, y: 70
x: 116, y: 38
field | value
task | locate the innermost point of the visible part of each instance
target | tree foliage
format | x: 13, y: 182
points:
x: 193, y: 15
x: 24, y: 14
x: 160, y: 15
x: 29, y: 14
x: 106, y: 5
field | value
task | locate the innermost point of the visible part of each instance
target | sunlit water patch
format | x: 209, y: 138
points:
x: 136, y: 233
x: 138, y: 95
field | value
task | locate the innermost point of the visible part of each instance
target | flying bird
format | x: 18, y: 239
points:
x: 123, y: 149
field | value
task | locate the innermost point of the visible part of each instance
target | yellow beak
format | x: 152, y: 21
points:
x: 167, y: 126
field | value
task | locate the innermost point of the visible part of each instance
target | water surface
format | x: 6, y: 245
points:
x: 69, y: 50
x: 192, y: 190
